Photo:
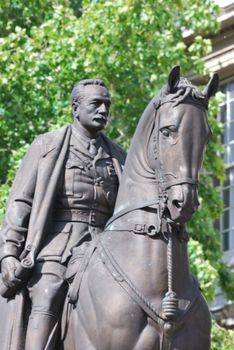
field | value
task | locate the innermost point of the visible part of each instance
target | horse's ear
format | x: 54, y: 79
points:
x: 173, y: 78
x: 212, y: 86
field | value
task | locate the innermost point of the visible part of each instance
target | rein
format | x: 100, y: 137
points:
x: 167, y: 326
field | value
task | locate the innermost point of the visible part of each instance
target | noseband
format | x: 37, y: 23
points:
x: 184, y: 180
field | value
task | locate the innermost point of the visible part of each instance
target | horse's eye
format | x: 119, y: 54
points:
x: 166, y: 132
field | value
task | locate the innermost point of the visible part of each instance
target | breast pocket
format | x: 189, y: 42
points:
x: 72, y: 167
x: 105, y: 168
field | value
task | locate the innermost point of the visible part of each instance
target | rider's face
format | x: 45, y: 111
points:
x: 93, y: 110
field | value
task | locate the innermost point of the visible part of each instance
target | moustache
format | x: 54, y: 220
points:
x: 100, y: 117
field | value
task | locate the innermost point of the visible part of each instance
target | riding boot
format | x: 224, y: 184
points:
x: 41, y: 332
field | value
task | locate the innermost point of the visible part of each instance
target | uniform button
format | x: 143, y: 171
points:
x: 68, y: 164
x: 27, y: 262
x: 99, y: 181
x: 109, y: 195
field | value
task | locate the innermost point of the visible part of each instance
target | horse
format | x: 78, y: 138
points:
x: 134, y: 289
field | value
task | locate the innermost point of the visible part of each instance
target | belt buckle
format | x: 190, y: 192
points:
x: 140, y: 228
x: 92, y: 218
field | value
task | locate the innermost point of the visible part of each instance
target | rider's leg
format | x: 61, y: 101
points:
x: 47, y: 291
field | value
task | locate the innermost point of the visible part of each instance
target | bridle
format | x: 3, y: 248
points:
x: 163, y: 184
x: 170, y: 303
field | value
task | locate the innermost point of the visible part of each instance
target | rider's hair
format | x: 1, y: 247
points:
x: 77, y: 92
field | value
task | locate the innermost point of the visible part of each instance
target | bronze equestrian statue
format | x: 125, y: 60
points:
x: 62, y: 197
x: 133, y: 289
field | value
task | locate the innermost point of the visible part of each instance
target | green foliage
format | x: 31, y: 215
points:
x: 48, y: 45
x: 226, y: 280
x: 28, y: 13
x: 207, y: 275
x: 221, y: 339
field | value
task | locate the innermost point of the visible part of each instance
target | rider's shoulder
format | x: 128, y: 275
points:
x: 51, y: 139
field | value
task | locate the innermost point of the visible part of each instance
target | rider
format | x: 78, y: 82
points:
x: 63, y: 195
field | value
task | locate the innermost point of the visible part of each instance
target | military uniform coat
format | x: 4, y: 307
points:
x: 31, y: 200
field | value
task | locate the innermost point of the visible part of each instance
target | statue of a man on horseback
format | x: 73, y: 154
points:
x: 134, y: 289
x: 62, y: 196
x: 137, y: 291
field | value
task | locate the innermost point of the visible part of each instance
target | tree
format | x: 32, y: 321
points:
x: 47, y: 46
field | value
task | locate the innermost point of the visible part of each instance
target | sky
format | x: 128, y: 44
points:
x: 224, y: 3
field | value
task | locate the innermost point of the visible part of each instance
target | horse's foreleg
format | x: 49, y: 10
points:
x: 149, y: 338
x: 76, y: 336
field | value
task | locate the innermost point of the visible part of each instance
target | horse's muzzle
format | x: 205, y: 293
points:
x: 182, y: 202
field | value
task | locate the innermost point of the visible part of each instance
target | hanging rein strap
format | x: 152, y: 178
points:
x: 124, y: 281
x: 167, y: 327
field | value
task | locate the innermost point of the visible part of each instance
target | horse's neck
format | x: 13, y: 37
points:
x: 145, y: 259
x: 137, y: 186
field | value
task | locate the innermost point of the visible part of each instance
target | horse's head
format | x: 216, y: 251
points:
x: 181, y: 134
x: 167, y: 148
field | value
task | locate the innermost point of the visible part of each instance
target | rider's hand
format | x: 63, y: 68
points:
x: 8, y: 267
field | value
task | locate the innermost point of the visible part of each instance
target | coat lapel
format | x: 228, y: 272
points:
x: 48, y: 175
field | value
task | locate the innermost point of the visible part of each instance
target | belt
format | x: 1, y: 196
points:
x: 93, y: 218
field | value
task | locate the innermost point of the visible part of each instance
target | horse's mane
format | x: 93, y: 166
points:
x: 185, y: 91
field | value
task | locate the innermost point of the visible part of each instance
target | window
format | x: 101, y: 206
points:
x: 227, y: 118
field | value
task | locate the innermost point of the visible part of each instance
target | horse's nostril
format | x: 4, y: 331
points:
x: 177, y: 203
